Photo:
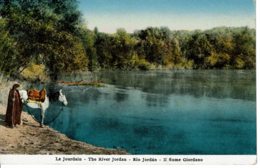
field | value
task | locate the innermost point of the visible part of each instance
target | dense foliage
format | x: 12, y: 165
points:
x: 43, y: 31
x: 51, y: 32
x: 218, y: 48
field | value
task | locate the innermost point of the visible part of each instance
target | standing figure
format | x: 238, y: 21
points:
x: 14, y: 107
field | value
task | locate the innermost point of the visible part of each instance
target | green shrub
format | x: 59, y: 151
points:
x: 35, y: 72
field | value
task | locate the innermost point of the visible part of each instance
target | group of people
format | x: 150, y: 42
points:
x: 14, y: 107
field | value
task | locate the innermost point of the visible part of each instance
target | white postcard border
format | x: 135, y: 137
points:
x: 130, y: 159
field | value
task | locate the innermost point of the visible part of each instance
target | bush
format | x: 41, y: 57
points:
x: 35, y: 72
x: 139, y: 63
x: 144, y: 66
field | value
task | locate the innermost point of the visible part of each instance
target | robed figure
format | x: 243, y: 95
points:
x: 14, y: 107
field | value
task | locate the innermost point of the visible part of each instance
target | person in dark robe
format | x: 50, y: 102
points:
x: 14, y: 107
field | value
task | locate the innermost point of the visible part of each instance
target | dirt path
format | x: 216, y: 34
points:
x: 29, y: 138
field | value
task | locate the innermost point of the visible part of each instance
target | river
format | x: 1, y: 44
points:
x: 162, y: 112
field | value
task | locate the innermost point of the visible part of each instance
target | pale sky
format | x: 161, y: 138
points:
x: 109, y: 15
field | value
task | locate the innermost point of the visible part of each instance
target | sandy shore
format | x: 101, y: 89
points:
x: 29, y: 138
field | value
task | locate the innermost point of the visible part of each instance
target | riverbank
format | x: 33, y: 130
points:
x: 29, y: 138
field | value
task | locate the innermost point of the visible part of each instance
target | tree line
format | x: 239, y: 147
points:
x: 218, y: 48
x: 52, y: 32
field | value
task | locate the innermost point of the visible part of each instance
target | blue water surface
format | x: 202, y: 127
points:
x: 162, y: 112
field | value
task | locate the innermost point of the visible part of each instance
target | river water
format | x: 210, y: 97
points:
x: 162, y: 112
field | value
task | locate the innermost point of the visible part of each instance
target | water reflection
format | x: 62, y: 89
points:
x: 120, y: 97
x: 153, y: 100
x: 218, y: 84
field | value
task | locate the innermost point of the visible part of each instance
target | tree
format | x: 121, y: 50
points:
x: 177, y: 57
x: 88, y: 39
x: 122, y: 49
x: 8, y: 52
x: 102, y: 44
x: 70, y: 16
x: 244, y: 54
x: 154, y: 44
x: 199, y: 48
x: 45, y: 31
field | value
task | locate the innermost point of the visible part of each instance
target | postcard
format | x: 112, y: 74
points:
x: 154, y: 82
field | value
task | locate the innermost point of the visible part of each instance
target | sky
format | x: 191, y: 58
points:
x: 109, y: 15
